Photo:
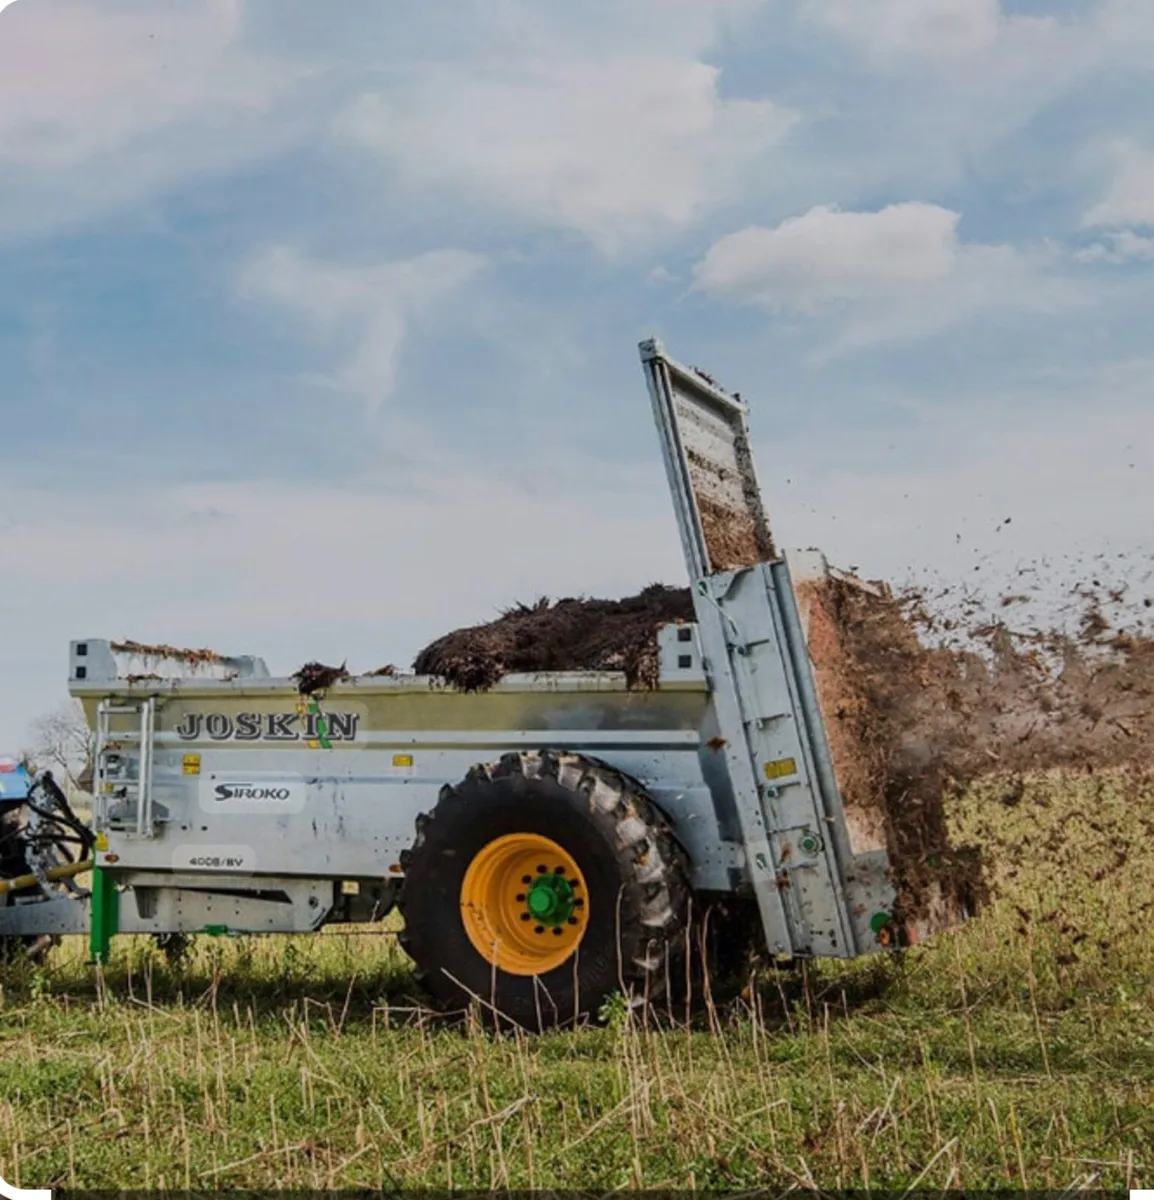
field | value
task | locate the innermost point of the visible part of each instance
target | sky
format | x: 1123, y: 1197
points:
x: 319, y: 323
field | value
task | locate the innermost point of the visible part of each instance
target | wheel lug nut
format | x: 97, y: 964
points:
x: 542, y: 870
x: 526, y: 878
x: 557, y: 930
x: 539, y: 929
x: 572, y: 920
x: 525, y: 917
x: 558, y: 870
x: 521, y: 897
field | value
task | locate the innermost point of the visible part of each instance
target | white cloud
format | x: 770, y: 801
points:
x: 957, y: 86
x: 370, y: 307
x: 828, y: 255
x: 526, y: 30
x: 898, y: 272
x: 1127, y: 24
x: 1124, y: 246
x: 101, y: 107
x: 930, y: 28
x: 1130, y: 197
x: 617, y: 146
x: 601, y: 118
x: 986, y: 281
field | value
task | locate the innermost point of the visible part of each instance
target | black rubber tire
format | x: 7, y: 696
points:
x: 636, y: 877
x: 12, y: 864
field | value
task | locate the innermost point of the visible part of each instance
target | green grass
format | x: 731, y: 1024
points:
x: 1017, y: 1051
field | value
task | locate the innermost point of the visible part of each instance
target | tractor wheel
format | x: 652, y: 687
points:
x: 12, y: 864
x: 538, y: 887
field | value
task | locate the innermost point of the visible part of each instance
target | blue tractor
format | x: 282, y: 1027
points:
x: 16, y: 792
x: 15, y: 783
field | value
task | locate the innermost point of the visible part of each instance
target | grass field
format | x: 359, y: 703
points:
x: 1018, y: 1051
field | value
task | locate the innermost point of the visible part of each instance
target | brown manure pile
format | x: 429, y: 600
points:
x: 562, y: 635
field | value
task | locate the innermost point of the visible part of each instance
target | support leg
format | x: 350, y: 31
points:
x: 105, y: 916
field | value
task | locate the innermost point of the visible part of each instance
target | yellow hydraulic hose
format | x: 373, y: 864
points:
x: 27, y: 881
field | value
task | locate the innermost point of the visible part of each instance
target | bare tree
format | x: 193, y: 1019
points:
x: 62, y: 742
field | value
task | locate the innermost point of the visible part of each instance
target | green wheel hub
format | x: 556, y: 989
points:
x: 550, y: 899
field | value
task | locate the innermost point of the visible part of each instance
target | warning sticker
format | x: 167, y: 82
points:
x: 780, y: 768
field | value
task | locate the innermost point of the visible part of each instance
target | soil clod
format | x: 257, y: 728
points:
x: 316, y: 677
x: 200, y: 657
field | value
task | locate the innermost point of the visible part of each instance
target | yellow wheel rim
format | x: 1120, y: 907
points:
x: 524, y: 904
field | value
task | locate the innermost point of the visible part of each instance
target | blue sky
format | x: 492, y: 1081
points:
x: 318, y: 322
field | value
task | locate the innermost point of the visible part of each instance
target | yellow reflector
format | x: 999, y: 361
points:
x: 780, y: 768
x: 192, y: 764
x: 402, y: 760
x: 102, y: 841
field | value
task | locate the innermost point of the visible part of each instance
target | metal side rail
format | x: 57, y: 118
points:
x: 114, y: 759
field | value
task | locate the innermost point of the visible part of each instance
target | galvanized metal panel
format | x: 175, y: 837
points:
x: 355, y: 801
x: 58, y: 916
x: 360, y: 808
x: 351, y: 812
x: 777, y: 784
x: 815, y: 897
x: 705, y: 438
x: 97, y: 660
x: 171, y: 903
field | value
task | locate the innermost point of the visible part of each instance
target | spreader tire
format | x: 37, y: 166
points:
x: 539, y: 886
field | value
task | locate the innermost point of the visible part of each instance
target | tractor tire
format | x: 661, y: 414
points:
x: 540, y: 886
x: 15, y: 949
